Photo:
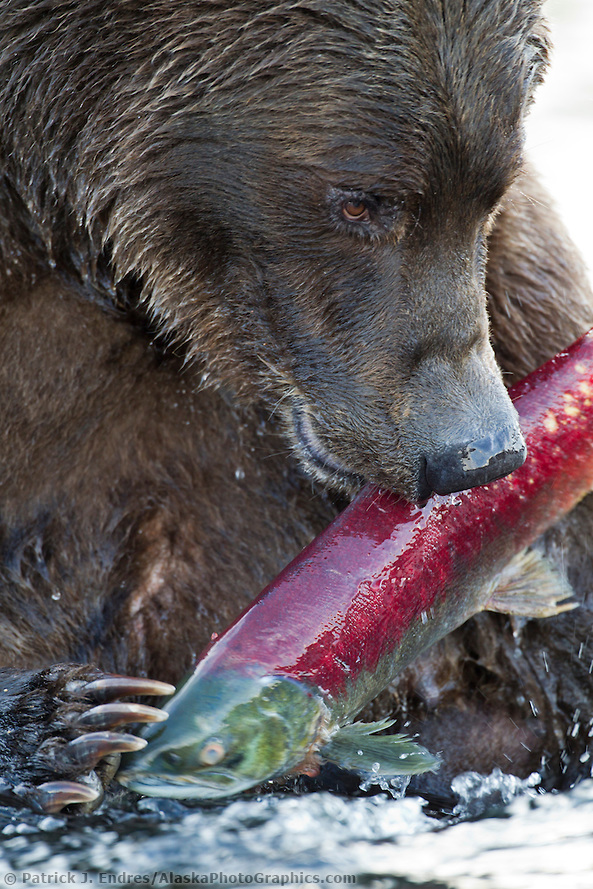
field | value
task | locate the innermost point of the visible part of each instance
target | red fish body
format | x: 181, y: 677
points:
x: 388, y: 578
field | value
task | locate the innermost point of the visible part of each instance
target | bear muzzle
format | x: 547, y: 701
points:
x: 470, y: 464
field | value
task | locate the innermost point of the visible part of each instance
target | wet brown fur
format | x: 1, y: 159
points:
x: 177, y: 280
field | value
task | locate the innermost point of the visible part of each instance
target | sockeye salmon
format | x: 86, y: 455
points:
x: 277, y: 691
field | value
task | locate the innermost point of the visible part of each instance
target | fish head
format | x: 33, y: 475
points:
x: 224, y: 734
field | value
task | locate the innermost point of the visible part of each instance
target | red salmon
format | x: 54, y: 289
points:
x: 277, y: 691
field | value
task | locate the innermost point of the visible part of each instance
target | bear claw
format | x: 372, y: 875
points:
x: 111, y: 715
x: 111, y: 686
x: 62, y: 742
x: 86, y: 751
x: 53, y: 796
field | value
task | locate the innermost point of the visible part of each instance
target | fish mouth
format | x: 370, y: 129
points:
x: 315, y: 456
x: 216, y: 785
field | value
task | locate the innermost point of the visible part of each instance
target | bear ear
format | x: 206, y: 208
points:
x: 538, y: 56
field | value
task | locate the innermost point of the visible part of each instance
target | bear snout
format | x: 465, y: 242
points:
x: 443, y: 458
x: 469, y: 464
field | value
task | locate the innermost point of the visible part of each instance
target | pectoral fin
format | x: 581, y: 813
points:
x: 531, y: 587
x: 356, y: 748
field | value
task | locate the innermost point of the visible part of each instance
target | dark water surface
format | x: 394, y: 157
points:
x: 503, y: 835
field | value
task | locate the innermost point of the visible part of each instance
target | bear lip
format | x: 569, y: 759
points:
x: 315, y: 456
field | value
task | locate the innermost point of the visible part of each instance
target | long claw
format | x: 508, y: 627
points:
x: 112, y: 715
x: 113, y: 686
x: 52, y: 796
x: 87, y: 750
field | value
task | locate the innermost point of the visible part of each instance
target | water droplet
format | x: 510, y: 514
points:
x: 56, y: 595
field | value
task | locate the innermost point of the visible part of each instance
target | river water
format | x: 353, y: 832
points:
x: 504, y: 834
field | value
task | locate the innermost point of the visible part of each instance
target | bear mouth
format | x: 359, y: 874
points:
x: 316, y: 459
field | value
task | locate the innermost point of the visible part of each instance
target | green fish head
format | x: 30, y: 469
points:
x: 225, y: 733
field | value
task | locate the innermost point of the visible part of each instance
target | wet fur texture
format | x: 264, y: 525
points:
x: 202, y: 356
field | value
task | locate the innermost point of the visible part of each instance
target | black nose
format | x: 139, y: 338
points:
x: 462, y: 466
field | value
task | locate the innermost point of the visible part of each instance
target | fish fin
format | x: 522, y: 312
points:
x: 530, y: 586
x: 353, y: 748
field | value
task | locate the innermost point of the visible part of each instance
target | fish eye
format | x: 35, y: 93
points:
x: 212, y: 753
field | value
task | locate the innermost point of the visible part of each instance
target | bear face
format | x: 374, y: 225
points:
x: 335, y: 184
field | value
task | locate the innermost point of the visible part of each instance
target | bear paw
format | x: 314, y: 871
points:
x: 58, y: 746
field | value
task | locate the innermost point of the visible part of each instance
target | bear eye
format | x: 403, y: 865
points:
x: 355, y: 211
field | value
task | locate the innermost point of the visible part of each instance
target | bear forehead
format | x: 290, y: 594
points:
x: 354, y: 88
x: 428, y: 49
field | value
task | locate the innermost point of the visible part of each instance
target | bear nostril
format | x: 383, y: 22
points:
x: 461, y: 466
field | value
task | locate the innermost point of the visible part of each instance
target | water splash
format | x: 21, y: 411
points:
x: 481, y: 795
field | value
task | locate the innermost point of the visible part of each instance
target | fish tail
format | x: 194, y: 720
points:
x: 531, y: 587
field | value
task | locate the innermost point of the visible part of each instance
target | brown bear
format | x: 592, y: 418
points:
x: 253, y: 254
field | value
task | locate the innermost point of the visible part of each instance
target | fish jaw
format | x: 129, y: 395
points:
x: 225, y: 734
